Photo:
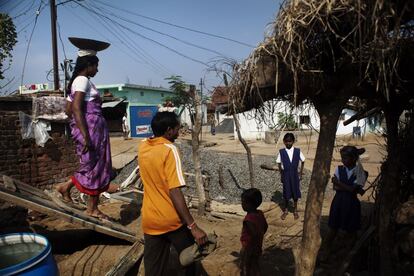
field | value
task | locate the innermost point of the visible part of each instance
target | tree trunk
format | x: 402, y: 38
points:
x: 247, y: 148
x: 195, y: 142
x: 311, y: 239
x: 388, y: 193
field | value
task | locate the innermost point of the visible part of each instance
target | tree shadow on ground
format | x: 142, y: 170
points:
x: 274, y: 261
x: 277, y: 261
x: 277, y: 198
x: 341, y: 246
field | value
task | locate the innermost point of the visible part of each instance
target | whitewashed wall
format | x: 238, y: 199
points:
x: 250, y: 129
x: 185, y: 116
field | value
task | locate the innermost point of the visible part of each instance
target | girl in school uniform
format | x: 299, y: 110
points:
x: 348, y: 182
x: 288, y: 162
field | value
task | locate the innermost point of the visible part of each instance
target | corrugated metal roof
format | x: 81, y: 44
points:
x: 111, y: 104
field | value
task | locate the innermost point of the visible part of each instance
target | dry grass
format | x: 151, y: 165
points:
x: 323, y: 38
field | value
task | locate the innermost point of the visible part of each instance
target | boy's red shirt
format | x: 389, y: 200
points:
x: 259, y: 221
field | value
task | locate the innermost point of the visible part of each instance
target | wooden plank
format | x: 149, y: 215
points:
x: 126, y: 262
x: 49, y: 208
x: 21, y: 186
x: 355, y: 249
x: 70, y: 210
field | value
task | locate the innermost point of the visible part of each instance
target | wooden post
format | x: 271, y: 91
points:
x: 246, y: 147
x: 195, y: 142
x: 329, y: 112
x: 389, y: 191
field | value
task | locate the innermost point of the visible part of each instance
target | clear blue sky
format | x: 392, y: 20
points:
x: 132, y: 58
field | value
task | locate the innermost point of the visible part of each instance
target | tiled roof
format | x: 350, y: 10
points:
x: 220, y: 95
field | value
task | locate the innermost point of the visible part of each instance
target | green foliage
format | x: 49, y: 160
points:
x: 286, y: 120
x: 181, y: 96
x: 8, y: 38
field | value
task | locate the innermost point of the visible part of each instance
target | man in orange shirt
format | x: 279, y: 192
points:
x: 166, y: 219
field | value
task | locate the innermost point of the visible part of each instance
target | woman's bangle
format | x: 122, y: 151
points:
x: 191, y: 226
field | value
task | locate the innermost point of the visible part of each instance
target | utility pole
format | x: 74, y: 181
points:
x: 53, y: 18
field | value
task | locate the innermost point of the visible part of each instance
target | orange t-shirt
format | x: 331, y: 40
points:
x: 160, y: 170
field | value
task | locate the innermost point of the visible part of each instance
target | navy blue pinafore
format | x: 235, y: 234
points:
x: 290, y: 176
x: 345, y: 212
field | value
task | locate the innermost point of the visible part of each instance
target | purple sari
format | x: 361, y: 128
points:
x: 95, y: 166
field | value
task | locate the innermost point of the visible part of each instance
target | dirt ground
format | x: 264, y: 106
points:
x: 84, y: 252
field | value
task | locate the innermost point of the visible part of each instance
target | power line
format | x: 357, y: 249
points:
x: 30, y: 39
x: 142, y: 52
x: 145, y: 37
x: 126, y: 42
x: 32, y: 18
x: 158, y: 32
x: 23, y: 13
x: 15, y: 6
x: 104, y: 36
x: 177, y: 26
x: 60, y: 38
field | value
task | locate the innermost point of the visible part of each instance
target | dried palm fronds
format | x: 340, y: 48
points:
x: 316, y: 41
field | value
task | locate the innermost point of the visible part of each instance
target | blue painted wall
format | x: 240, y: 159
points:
x: 141, y: 117
x: 138, y: 97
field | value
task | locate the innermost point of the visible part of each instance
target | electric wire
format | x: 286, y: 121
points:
x: 30, y: 39
x: 141, y: 51
x: 177, y: 26
x: 32, y: 18
x: 25, y: 10
x: 15, y: 6
x: 61, y: 41
x: 104, y: 36
x: 145, y: 37
x: 126, y: 43
x: 161, y: 33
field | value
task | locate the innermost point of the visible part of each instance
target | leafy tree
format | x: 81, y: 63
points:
x: 8, y: 38
x: 186, y: 96
x: 181, y: 96
x: 285, y: 120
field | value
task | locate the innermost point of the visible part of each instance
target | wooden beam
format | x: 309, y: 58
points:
x: 23, y: 187
x: 126, y: 262
x: 269, y: 167
x: 355, y: 249
x: 49, y: 208
x: 362, y: 114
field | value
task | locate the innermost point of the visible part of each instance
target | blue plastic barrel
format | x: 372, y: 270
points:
x: 26, y: 254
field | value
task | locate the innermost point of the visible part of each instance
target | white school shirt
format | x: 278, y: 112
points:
x: 349, y: 173
x: 125, y: 126
x: 84, y: 84
x: 290, y: 154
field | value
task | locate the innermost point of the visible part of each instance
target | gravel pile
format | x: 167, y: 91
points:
x: 268, y: 182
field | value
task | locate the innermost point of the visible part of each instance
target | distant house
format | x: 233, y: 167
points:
x: 305, y: 117
x: 219, y: 101
x: 138, y: 101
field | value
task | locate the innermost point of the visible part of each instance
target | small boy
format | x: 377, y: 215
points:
x: 288, y: 162
x: 254, y: 228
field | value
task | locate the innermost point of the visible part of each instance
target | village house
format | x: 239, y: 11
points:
x: 304, y: 117
x: 138, y: 101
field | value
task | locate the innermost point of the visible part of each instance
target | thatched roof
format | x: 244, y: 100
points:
x: 319, y: 48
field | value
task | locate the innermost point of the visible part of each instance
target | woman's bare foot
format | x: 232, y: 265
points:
x: 113, y: 188
x: 97, y: 214
x: 64, y: 190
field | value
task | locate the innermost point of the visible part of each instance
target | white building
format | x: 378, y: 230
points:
x: 304, y: 116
